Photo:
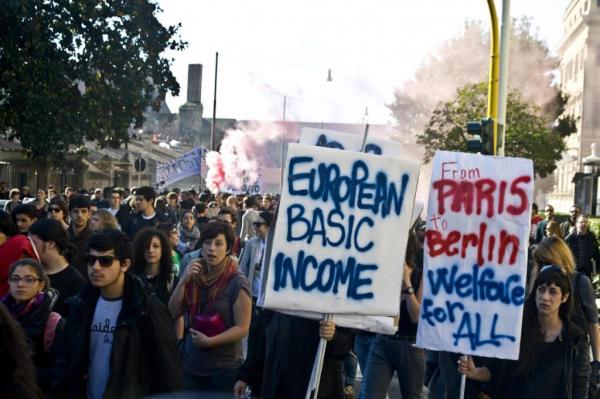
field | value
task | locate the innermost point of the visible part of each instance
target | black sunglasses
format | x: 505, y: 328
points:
x: 104, y: 260
x: 53, y: 209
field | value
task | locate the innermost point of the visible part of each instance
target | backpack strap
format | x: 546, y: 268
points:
x: 50, y: 330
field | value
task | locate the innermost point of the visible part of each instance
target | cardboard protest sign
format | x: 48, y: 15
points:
x: 349, y: 142
x: 476, y: 254
x: 342, y: 226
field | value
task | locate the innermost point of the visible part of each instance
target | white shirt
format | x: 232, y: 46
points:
x: 102, y: 331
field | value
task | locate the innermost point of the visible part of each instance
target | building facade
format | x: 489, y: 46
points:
x: 579, y: 53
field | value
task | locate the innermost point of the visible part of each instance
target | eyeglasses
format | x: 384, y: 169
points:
x: 104, y: 260
x: 53, y: 210
x: 257, y: 224
x: 27, y: 280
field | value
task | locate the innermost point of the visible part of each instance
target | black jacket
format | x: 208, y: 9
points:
x: 79, y: 241
x: 137, y: 222
x: 289, y: 352
x: 584, y: 248
x: 144, y: 358
x: 576, y: 364
x: 33, y: 322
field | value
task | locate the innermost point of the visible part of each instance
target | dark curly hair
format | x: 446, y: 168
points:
x: 141, y: 243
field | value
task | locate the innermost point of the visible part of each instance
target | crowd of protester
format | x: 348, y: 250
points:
x: 123, y: 294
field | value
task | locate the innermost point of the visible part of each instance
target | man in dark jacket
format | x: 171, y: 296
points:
x: 584, y: 246
x: 79, y: 230
x: 119, y: 340
x: 281, y: 365
x: 569, y: 226
x: 146, y: 215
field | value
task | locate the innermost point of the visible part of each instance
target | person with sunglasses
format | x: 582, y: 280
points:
x: 119, y: 340
x: 554, y: 355
x: 58, y: 209
x: 30, y: 301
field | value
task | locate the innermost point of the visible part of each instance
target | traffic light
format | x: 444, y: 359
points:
x: 483, y: 141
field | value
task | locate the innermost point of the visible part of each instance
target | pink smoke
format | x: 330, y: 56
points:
x: 215, y: 176
x: 242, y: 154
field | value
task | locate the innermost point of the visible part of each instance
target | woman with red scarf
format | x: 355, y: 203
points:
x: 215, y: 298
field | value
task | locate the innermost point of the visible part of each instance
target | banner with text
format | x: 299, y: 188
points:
x: 476, y: 243
x: 189, y: 164
x: 342, y: 226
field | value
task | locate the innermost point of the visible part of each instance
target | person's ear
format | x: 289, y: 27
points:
x: 564, y: 299
x: 125, y: 264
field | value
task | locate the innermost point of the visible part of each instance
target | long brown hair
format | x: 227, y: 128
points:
x: 531, y: 331
x: 16, y: 355
x: 554, y: 251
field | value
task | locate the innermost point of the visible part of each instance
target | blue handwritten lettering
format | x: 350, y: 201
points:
x: 326, y: 183
x: 480, y: 286
x: 330, y: 277
x: 307, y: 229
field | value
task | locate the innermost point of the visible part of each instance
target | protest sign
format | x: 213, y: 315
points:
x: 349, y: 142
x: 476, y: 244
x: 189, y: 164
x: 342, y: 226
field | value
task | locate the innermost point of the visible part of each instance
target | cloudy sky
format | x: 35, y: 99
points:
x: 269, y: 49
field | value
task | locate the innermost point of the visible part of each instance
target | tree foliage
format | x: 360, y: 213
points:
x: 465, y: 59
x: 529, y: 134
x: 72, y: 71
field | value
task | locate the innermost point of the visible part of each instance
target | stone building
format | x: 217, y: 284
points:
x: 580, y: 78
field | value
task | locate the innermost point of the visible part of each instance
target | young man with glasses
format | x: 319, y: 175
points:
x: 52, y: 244
x: 119, y: 339
x: 254, y: 251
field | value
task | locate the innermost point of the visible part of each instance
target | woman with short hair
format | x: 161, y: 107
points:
x: 58, y: 209
x: 215, y: 297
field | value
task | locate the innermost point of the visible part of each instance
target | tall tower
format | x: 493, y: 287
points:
x: 190, y: 113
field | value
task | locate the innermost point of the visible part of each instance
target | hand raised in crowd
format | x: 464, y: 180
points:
x: 195, y: 267
x: 327, y: 329
x: 239, y: 389
x: 200, y: 340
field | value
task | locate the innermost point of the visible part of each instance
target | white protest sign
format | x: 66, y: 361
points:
x: 476, y: 243
x: 342, y: 226
x: 349, y: 142
x: 189, y: 164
